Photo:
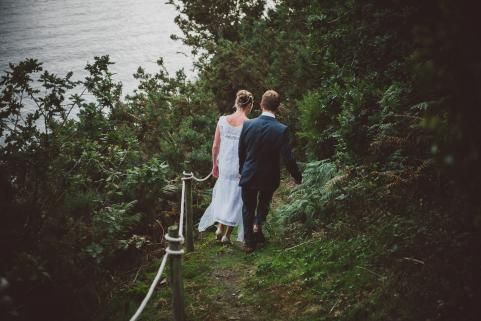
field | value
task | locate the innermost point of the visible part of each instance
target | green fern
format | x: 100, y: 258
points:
x: 322, y: 182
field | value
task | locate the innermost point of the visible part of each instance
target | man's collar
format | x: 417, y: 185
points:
x: 268, y: 113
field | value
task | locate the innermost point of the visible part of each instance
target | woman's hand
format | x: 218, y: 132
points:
x: 215, y: 171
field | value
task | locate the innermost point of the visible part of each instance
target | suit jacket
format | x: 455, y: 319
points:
x: 262, y: 143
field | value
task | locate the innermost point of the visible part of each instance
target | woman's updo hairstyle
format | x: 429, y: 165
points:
x: 244, y: 99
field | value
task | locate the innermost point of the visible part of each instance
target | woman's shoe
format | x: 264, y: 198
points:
x: 225, y: 240
x: 218, y: 233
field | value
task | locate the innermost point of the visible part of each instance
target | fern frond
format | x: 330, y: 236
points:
x: 389, y: 141
x: 425, y: 165
x: 336, y: 181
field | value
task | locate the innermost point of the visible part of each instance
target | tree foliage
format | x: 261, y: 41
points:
x: 382, y: 96
x: 83, y: 195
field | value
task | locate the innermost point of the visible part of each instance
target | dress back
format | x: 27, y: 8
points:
x: 229, y: 150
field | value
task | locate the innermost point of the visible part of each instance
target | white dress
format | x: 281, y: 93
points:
x: 226, y: 205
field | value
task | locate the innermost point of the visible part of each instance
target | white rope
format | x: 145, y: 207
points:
x: 151, y: 289
x: 192, y: 176
x: 169, y: 238
x: 174, y: 239
x: 174, y: 252
x: 181, y: 219
x: 187, y: 176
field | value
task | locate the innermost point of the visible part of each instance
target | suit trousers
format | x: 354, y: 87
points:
x: 256, y: 204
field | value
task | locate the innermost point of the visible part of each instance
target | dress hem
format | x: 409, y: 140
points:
x: 226, y: 223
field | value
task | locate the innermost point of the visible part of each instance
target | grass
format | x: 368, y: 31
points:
x: 319, y: 280
x: 325, y: 277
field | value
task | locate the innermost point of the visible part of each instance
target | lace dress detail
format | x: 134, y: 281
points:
x: 226, y: 205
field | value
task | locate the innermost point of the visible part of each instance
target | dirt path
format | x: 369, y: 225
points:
x: 221, y: 284
x: 219, y: 287
x: 231, y: 305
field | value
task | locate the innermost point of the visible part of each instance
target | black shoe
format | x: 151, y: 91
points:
x: 248, y: 249
x: 260, y: 238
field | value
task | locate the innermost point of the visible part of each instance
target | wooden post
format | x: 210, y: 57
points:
x: 189, y: 217
x: 175, y: 276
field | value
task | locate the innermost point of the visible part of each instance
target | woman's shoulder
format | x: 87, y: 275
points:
x: 234, y: 121
x: 221, y: 119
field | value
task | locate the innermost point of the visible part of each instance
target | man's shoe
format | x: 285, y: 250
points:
x: 248, y: 249
x: 260, y: 238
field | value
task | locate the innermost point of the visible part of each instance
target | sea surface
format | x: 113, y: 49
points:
x: 66, y: 34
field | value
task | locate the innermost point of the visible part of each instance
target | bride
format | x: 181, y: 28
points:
x: 226, y: 205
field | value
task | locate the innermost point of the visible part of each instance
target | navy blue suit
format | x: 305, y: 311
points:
x: 262, y: 144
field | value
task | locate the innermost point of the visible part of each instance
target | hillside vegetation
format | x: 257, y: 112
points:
x: 382, y: 98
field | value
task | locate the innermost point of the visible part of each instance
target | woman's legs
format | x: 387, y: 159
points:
x: 220, y: 231
x: 226, y: 238
x: 228, y: 231
x: 223, y: 232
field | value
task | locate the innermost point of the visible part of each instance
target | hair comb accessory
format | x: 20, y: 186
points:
x: 245, y: 100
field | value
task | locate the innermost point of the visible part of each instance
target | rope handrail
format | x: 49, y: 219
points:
x: 182, y: 207
x: 192, y: 176
x: 168, y: 250
x: 151, y: 289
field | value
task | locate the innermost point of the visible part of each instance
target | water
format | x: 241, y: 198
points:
x: 66, y: 34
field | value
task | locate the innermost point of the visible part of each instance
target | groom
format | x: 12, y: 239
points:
x: 263, y: 141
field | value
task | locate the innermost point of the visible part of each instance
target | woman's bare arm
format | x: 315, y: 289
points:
x: 215, y: 152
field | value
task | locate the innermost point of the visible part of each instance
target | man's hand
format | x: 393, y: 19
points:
x: 215, y: 171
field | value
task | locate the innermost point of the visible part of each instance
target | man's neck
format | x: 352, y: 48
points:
x: 268, y: 113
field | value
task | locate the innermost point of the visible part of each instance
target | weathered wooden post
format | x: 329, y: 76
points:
x: 189, y: 219
x: 175, y: 273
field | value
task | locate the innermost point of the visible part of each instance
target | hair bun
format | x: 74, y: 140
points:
x: 243, y: 98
